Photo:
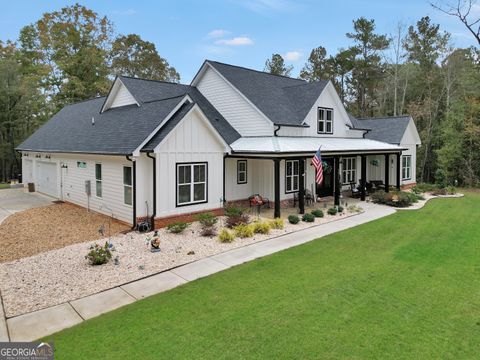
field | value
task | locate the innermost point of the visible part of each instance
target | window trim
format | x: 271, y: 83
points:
x: 192, y: 182
x: 409, y: 167
x: 354, y: 170
x: 325, y: 132
x: 292, y: 176
x: 99, y: 181
x: 125, y: 185
x: 245, y: 171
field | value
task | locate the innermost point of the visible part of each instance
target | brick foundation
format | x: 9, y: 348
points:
x: 408, y: 186
x: 285, y: 203
x: 164, y: 221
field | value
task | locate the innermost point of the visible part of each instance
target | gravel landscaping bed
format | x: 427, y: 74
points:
x: 61, y: 275
x: 34, y: 231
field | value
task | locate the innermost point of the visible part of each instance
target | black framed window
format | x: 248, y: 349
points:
x: 127, y: 185
x: 325, y: 121
x: 191, y: 183
x: 406, y: 167
x: 292, y: 175
x: 98, y: 180
x: 349, y: 170
x: 241, y: 171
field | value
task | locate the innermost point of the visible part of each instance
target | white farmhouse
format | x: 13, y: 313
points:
x: 168, y: 151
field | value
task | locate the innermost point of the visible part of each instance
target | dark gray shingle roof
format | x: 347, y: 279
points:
x: 284, y: 100
x: 388, y: 129
x: 120, y: 130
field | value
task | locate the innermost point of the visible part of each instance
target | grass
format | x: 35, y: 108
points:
x: 4, y: 186
x: 402, y: 287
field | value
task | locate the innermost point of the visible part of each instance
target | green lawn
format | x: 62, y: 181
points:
x: 403, y: 287
x: 4, y: 186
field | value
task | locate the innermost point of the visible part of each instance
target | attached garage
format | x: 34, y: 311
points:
x: 27, y: 171
x: 46, y: 175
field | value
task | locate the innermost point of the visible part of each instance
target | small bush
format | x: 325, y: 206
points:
x: 396, y: 199
x: 277, y: 224
x: 423, y: 188
x: 177, y: 227
x: 207, y: 219
x: 208, y: 231
x: 243, y: 231
x: 339, y: 208
x: 232, y: 210
x: 226, y: 236
x: 293, y: 219
x: 354, y: 208
x: 317, y: 213
x: 99, y: 255
x: 440, y: 179
x: 451, y: 190
x: 261, y: 227
x: 439, y: 191
x: 233, y: 221
x: 308, y: 217
x: 332, y: 211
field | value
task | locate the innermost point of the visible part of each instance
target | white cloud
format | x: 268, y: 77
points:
x: 293, y: 55
x: 127, y: 12
x: 217, y: 33
x: 236, y: 41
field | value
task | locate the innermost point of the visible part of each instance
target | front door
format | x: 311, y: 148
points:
x: 326, y: 188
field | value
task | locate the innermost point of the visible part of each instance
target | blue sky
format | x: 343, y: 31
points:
x: 243, y: 33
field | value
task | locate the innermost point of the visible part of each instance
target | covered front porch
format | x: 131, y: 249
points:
x: 287, y: 178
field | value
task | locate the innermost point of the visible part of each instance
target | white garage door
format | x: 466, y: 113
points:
x: 27, y: 173
x: 47, y: 178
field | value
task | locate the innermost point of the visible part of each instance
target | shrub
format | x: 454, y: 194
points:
x: 423, y: 187
x: 261, y: 227
x: 177, y: 227
x: 293, y: 219
x: 317, y: 213
x: 354, y: 208
x: 207, y: 219
x: 332, y: 211
x: 396, y: 199
x: 439, y: 191
x: 308, y: 217
x: 99, y: 255
x: 233, y: 221
x: 339, y: 208
x: 243, y: 231
x: 451, y: 190
x: 232, y: 210
x: 226, y: 236
x: 208, y: 231
x: 440, y: 178
x: 277, y: 224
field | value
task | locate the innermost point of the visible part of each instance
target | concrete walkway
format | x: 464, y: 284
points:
x: 19, y: 199
x: 44, y: 322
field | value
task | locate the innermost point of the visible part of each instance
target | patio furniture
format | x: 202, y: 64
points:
x: 356, y: 192
x: 258, y: 201
x: 308, y: 197
x: 377, y: 185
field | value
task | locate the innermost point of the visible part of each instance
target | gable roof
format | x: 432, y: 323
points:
x: 389, y: 129
x: 284, y: 100
x: 121, y: 130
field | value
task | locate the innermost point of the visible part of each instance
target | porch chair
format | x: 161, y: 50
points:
x: 356, y: 193
x: 308, y: 197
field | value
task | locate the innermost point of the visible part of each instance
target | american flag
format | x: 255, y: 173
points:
x: 317, y: 163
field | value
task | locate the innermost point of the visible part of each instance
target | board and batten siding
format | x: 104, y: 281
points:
x: 236, y: 110
x: 71, y: 181
x: 191, y: 141
x: 327, y: 99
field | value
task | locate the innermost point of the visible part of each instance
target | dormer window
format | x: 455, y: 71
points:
x: 325, y: 121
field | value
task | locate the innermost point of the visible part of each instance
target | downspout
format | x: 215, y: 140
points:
x: 223, y: 199
x: 134, y: 201
x: 154, y: 188
x: 277, y: 129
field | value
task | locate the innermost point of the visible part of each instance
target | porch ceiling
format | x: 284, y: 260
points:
x: 281, y: 144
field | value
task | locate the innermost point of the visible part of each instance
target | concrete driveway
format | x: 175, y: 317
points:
x: 15, y: 200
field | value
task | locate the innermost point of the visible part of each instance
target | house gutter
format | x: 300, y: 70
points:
x: 134, y: 200
x: 365, y: 131
x: 154, y: 188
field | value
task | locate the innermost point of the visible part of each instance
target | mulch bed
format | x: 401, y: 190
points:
x: 34, y: 231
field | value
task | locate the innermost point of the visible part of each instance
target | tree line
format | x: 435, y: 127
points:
x: 73, y: 54
x: 414, y: 71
